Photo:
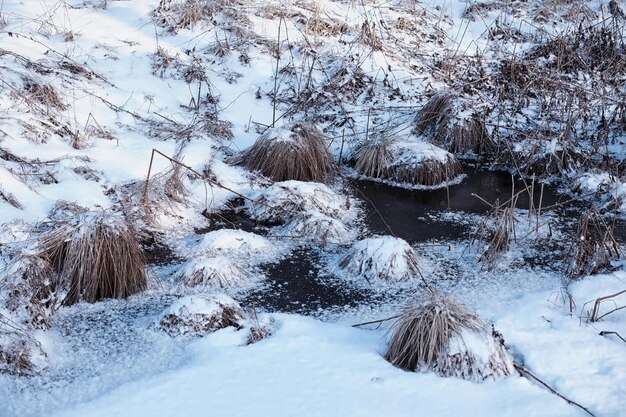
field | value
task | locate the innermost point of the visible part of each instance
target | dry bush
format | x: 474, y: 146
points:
x: 445, y: 337
x: 595, y: 246
x: 381, y: 258
x: 444, y: 118
x: 405, y: 162
x: 296, y: 154
x: 95, y: 256
x: 17, y: 348
x: 198, y: 315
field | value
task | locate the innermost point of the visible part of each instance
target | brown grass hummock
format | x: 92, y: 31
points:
x: 298, y: 153
x: 445, y: 337
x: 96, y: 257
x: 408, y: 162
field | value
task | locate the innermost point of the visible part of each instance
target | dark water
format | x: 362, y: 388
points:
x: 401, y: 212
x: 295, y: 285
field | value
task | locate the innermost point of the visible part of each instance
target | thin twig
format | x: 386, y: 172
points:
x: 526, y: 373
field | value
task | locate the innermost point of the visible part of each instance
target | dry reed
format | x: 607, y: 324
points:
x: 595, y: 246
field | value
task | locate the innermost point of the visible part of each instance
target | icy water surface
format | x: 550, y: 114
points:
x: 436, y: 223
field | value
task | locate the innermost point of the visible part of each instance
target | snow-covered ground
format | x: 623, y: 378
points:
x: 88, y: 88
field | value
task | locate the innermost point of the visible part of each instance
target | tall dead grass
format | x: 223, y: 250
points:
x: 595, y: 246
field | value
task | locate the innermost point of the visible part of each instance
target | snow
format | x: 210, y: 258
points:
x: 310, y: 368
x: 124, y: 101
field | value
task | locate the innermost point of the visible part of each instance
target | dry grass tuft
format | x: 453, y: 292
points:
x: 44, y: 94
x: 595, y: 246
x: 296, y: 154
x: 388, y: 158
x: 307, y: 210
x: 95, y: 257
x: 441, y: 118
x: 259, y: 329
x: 381, y: 258
x: 445, y: 337
x: 9, y: 198
x: 198, y: 315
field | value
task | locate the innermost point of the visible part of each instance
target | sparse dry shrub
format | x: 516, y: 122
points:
x: 595, y: 246
x: 496, y: 231
x: 298, y: 153
x: 198, y: 315
x: 369, y: 36
x: 381, y: 258
x: 448, y: 121
x: 95, y: 256
x: 406, y: 162
x: 17, y: 349
x: 443, y: 336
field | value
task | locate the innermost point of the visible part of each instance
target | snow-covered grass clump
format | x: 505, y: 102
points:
x: 296, y: 153
x: 411, y: 162
x: 237, y: 244
x: 197, y: 315
x: 226, y: 259
x: 445, y: 337
x: 310, y: 211
x: 381, y: 258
